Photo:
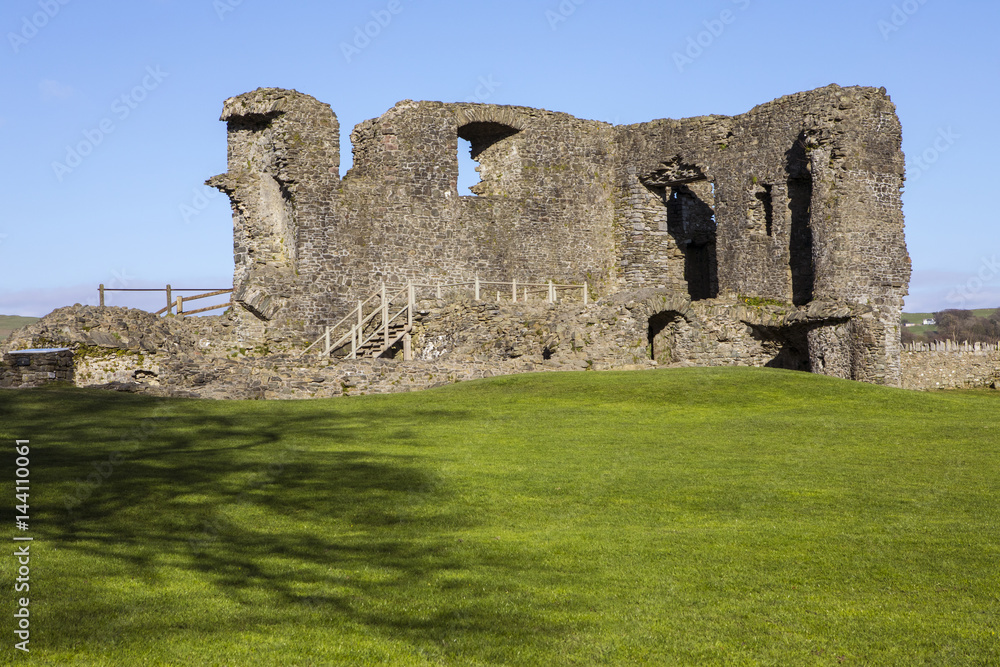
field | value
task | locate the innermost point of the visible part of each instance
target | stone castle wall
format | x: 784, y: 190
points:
x: 795, y: 202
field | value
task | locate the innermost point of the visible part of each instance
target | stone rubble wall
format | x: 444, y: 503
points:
x: 453, y: 341
x: 954, y: 368
x: 44, y: 367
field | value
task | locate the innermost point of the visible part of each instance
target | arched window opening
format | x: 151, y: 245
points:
x: 483, y: 147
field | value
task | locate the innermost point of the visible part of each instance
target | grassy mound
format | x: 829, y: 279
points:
x: 693, y: 516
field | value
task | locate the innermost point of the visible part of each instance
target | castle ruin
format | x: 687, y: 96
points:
x: 771, y: 238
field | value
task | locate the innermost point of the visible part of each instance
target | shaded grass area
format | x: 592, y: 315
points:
x: 689, y: 516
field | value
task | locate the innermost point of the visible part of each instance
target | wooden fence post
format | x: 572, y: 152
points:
x: 100, y: 291
x: 513, y: 290
x: 170, y: 301
x: 586, y: 292
x: 411, y: 299
x: 439, y: 291
x: 354, y: 341
x: 180, y: 305
x: 326, y: 352
x: 550, y: 299
x: 407, y: 348
x: 477, y: 288
x: 385, y: 317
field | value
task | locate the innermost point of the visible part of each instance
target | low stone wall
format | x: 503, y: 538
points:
x: 131, y: 350
x: 21, y: 369
x: 950, y: 369
x: 295, y: 378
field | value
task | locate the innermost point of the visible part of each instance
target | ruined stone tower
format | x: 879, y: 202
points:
x: 793, y: 208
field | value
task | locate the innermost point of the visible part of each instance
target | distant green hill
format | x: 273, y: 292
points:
x: 921, y: 329
x: 11, y: 323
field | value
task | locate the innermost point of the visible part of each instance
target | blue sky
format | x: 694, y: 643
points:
x: 109, y: 118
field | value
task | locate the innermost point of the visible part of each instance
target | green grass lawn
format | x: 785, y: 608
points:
x: 11, y: 323
x: 675, y: 517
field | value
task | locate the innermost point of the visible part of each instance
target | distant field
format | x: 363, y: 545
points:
x: 11, y: 323
x: 922, y: 329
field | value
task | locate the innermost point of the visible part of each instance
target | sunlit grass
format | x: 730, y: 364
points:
x: 694, y: 516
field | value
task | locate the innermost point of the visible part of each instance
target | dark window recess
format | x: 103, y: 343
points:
x: 800, y: 244
x: 764, y: 197
x: 662, y: 328
x: 691, y: 221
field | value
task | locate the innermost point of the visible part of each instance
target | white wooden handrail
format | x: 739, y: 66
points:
x: 358, y: 320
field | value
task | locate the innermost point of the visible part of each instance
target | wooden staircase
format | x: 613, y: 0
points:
x: 373, y: 328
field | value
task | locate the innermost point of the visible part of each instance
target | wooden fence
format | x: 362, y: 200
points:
x: 518, y: 291
x: 172, y: 303
x: 950, y: 346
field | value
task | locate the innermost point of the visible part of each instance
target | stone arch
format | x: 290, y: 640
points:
x: 666, y: 315
x: 490, y: 114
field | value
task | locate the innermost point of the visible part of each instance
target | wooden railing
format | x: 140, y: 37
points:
x: 518, y: 291
x: 950, y: 346
x: 374, y: 314
x: 171, y: 303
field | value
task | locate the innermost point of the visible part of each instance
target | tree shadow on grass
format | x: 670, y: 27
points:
x: 283, y: 510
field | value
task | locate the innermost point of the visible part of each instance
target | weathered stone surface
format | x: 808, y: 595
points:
x: 796, y: 202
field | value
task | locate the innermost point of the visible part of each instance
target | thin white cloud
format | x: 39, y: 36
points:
x: 935, y: 290
x: 53, y: 90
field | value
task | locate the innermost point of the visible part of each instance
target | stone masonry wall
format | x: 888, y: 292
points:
x: 131, y: 350
x: 792, y: 203
x: 953, y: 367
x: 41, y: 368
